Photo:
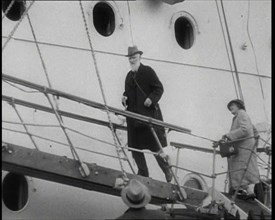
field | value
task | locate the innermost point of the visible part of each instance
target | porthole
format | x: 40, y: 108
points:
x: 15, y: 191
x: 16, y: 10
x: 195, y: 181
x: 104, y: 19
x: 184, y: 32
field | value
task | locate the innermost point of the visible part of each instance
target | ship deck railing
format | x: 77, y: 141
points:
x: 147, y: 120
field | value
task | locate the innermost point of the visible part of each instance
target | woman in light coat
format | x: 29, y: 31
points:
x: 242, y: 128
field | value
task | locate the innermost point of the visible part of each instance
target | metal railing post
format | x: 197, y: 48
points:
x: 176, y: 171
x: 182, y: 192
x: 268, y: 193
x: 214, y: 170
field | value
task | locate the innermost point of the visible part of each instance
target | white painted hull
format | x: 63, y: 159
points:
x: 197, y: 85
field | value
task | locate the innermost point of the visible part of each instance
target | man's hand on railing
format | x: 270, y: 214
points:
x: 123, y: 100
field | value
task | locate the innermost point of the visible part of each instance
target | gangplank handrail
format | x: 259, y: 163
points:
x: 62, y: 113
x: 145, y: 119
x: 206, y: 150
x: 191, y: 147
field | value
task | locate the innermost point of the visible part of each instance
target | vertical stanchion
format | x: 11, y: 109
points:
x: 213, y: 176
x: 268, y: 193
x: 182, y: 192
x: 176, y: 171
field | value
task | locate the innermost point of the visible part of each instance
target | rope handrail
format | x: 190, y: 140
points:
x: 25, y: 127
x: 17, y: 25
x: 144, y: 58
x: 93, y: 104
x: 206, y: 150
x: 8, y: 9
x: 62, y: 113
x: 128, y: 148
x: 240, y: 139
x: 22, y: 90
x: 172, y: 143
x: 58, y: 142
x: 30, y: 124
x: 61, y: 143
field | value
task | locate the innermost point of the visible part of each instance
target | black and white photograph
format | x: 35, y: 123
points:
x: 136, y: 109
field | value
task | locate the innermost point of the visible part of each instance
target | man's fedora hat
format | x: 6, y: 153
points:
x: 239, y: 103
x: 135, y: 194
x: 132, y: 51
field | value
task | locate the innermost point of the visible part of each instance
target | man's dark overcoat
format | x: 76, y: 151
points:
x: 139, y: 134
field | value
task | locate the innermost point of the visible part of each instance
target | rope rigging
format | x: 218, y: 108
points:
x: 227, y: 52
x: 23, y: 90
x: 42, y: 60
x: 8, y: 9
x: 144, y: 58
x: 102, y: 90
x: 255, y: 57
x: 17, y: 25
x: 232, y: 52
x: 83, y: 167
x: 130, y: 23
x: 25, y: 127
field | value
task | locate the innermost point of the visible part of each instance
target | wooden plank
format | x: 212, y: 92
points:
x: 38, y: 164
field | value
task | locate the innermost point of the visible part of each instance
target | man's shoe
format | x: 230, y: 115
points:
x: 168, y: 176
x: 243, y: 195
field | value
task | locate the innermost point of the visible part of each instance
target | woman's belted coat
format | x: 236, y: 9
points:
x: 243, y: 128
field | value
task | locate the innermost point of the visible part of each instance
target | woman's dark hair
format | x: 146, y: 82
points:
x: 239, y: 103
x: 240, y: 106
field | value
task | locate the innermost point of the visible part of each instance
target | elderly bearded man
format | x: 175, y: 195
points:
x: 143, y: 90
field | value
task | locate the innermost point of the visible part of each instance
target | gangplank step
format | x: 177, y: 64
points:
x: 242, y: 206
x: 248, y: 205
x: 38, y: 164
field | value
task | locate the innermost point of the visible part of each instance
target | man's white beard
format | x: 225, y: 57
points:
x: 134, y: 67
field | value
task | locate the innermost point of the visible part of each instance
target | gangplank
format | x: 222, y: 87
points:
x: 60, y: 169
x: 245, y: 208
